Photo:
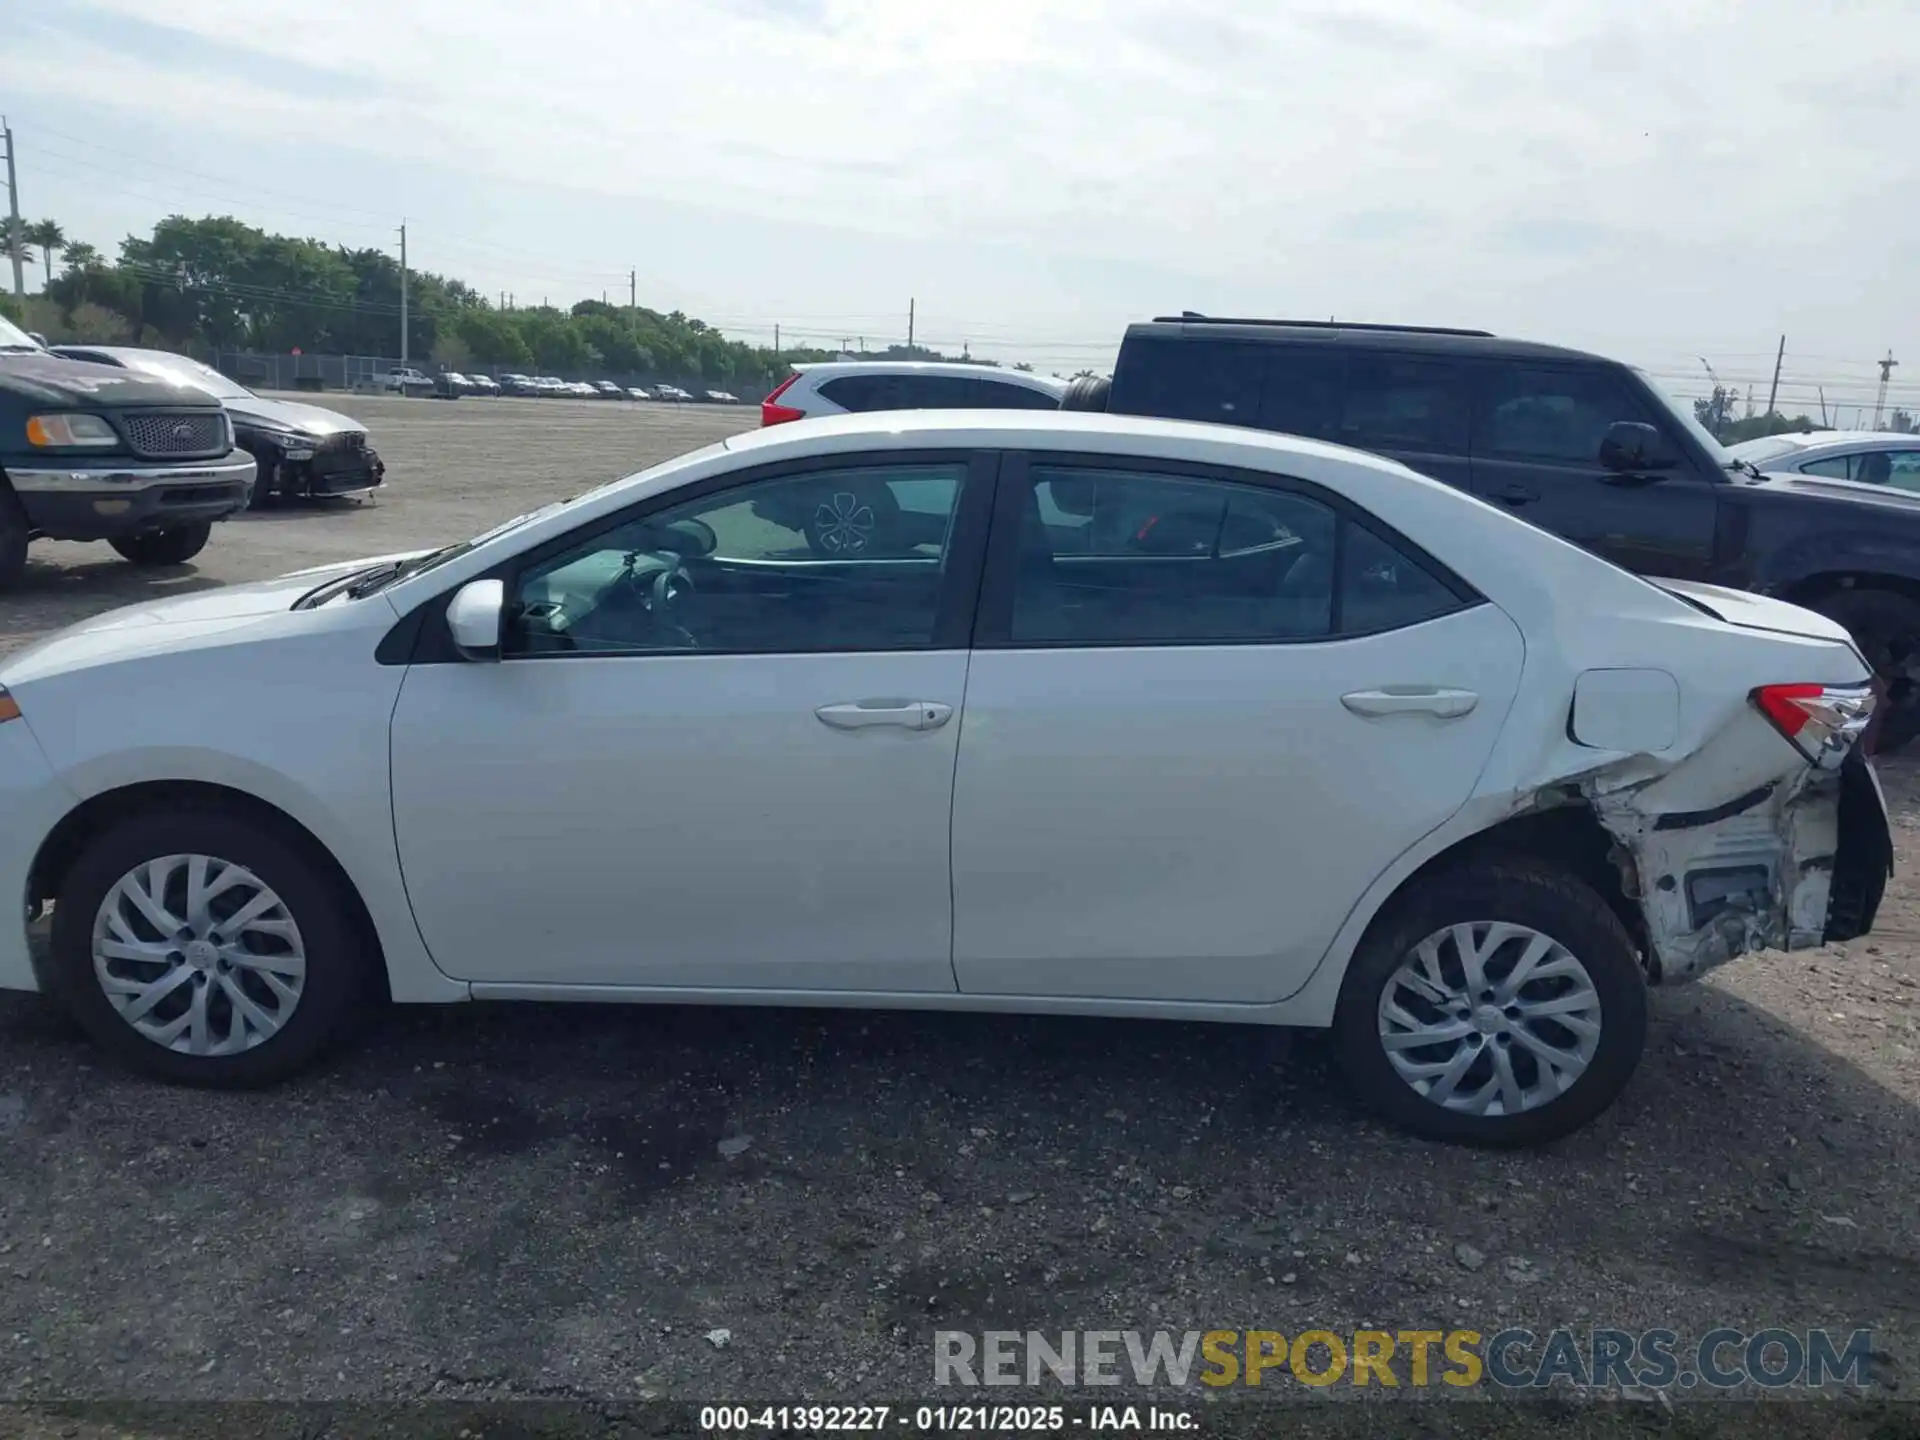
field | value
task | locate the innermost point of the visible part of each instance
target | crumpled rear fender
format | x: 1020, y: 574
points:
x: 1736, y: 848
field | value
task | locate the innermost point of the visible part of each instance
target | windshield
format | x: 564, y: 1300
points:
x: 1684, y: 417
x: 1768, y: 447
x: 12, y: 337
x: 183, y: 371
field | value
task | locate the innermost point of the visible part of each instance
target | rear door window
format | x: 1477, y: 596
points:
x: 1142, y: 557
x: 1404, y: 402
x: 999, y: 395
x: 1898, y: 468
x: 1302, y: 390
x: 1215, y: 380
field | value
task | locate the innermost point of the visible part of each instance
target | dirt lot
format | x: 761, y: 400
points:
x: 489, y: 1203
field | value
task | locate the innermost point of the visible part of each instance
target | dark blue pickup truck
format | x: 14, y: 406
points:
x: 89, y: 452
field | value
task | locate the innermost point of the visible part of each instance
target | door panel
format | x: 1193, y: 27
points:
x: 1195, y: 824
x: 679, y: 820
x: 1189, y: 746
x: 711, y: 758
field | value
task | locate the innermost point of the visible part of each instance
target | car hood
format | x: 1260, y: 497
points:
x: 157, y: 625
x: 315, y: 420
x: 52, y: 380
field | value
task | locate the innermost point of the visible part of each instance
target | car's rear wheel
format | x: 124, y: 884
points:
x: 1886, y: 626
x: 203, y: 947
x: 164, y: 547
x: 1497, y: 1003
x: 14, y: 534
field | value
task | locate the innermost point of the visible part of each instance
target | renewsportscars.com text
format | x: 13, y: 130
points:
x: 1510, y: 1359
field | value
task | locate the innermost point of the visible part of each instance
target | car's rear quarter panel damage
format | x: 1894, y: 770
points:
x: 1752, y: 873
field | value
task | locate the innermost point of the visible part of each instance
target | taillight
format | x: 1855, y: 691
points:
x: 774, y: 414
x: 1823, y: 722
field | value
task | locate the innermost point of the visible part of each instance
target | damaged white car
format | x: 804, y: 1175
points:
x: 1100, y: 716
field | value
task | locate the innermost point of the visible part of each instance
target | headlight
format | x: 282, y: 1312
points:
x: 65, y: 432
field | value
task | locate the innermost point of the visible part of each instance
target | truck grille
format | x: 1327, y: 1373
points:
x: 176, y: 434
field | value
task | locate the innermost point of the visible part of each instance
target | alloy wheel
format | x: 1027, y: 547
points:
x: 198, y: 955
x: 1490, y: 1018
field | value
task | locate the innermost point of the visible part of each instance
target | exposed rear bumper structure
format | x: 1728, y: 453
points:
x: 1791, y: 864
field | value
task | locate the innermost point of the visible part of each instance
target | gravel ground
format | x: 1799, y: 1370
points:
x: 495, y: 1204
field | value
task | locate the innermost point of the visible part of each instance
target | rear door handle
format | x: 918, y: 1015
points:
x: 902, y: 714
x: 1517, y: 494
x: 1412, y: 700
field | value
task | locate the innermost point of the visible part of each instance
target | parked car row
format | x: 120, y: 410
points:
x: 1586, y: 447
x: 452, y: 384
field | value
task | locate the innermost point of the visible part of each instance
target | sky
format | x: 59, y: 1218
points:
x: 1659, y: 182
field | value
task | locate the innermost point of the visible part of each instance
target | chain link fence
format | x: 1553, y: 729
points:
x: 259, y: 370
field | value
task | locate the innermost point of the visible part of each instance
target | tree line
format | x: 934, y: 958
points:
x: 199, y: 286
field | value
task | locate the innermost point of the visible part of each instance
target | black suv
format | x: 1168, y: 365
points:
x: 92, y: 453
x: 1584, y: 446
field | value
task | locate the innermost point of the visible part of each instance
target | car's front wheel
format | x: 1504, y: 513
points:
x: 1498, y: 1003
x: 164, y: 547
x: 205, y: 947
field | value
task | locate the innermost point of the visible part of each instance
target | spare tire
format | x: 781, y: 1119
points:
x: 1089, y: 392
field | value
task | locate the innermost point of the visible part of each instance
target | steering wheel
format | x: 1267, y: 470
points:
x: 668, y: 587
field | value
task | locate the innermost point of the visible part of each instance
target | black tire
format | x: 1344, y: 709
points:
x: 1089, y: 392
x: 1886, y: 626
x: 1544, y: 900
x: 836, y: 530
x: 13, y: 536
x: 164, y: 547
x: 264, y: 475
x: 339, y: 980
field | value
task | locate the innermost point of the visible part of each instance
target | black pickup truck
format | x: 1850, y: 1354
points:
x: 91, y: 453
x: 1584, y: 446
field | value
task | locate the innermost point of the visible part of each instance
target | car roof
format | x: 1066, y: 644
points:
x: 1054, y: 430
x: 828, y: 369
x: 1426, y: 341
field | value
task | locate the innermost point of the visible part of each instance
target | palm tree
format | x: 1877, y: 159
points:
x: 48, y: 235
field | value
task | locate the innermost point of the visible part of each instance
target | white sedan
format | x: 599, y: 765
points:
x: 1163, y: 720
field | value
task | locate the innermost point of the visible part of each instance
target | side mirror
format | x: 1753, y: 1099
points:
x: 37, y: 338
x: 473, y: 617
x: 1631, y: 448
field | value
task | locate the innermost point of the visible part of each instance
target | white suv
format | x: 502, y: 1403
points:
x: 842, y: 386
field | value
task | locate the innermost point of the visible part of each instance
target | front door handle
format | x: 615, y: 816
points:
x: 1517, y: 494
x: 1412, y: 700
x: 902, y: 714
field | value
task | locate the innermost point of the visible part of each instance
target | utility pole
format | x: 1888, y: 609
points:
x: 1879, y: 401
x: 403, y: 292
x: 1779, y: 356
x: 910, y: 308
x: 633, y: 289
x: 13, y: 213
x: 503, y: 299
x: 776, y: 340
x: 1823, y: 403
